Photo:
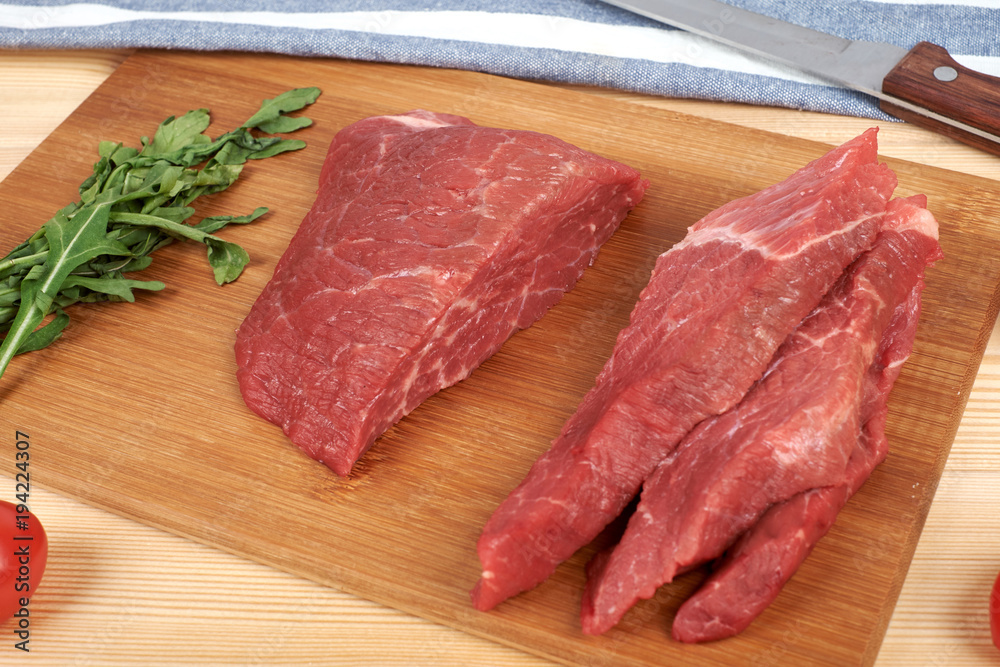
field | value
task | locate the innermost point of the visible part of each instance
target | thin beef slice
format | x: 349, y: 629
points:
x: 717, y: 306
x: 795, y: 430
x: 431, y: 241
x: 752, y: 573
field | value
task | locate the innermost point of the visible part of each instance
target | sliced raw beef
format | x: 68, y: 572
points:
x: 716, y: 308
x: 795, y: 430
x: 431, y: 241
x: 754, y: 570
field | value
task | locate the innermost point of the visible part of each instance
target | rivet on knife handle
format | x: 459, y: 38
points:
x: 930, y: 78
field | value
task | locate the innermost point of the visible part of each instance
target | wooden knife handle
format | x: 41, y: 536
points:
x: 929, y: 77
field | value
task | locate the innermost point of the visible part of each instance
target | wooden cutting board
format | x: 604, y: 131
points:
x: 136, y: 409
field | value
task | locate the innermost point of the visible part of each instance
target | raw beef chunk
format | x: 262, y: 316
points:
x: 431, y: 241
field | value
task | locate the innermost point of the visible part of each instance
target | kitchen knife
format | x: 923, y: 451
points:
x: 923, y: 85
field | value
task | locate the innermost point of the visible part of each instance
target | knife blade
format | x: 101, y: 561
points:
x: 924, y: 85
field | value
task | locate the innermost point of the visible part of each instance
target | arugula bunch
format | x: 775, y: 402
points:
x: 135, y: 202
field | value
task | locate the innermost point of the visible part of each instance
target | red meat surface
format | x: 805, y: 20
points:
x: 430, y: 242
x: 716, y: 308
x: 753, y: 571
x: 795, y: 430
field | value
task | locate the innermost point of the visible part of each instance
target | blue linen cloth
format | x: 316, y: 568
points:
x: 574, y: 41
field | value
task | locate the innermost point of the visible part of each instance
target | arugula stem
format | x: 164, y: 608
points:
x: 11, y: 343
x: 107, y: 269
x: 25, y: 260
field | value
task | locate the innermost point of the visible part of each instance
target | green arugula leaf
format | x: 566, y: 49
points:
x: 46, y: 335
x: 115, y: 286
x: 217, y: 222
x: 273, y: 110
x: 73, y: 241
x: 276, y: 148
x: 227, y: 259
x: 285, y: 124
x: 175, y: 134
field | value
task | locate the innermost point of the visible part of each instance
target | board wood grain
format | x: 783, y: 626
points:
x: 136, y: 409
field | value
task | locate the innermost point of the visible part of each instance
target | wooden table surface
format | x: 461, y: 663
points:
x: 116, y: 592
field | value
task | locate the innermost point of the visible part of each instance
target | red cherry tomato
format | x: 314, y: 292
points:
x: 995, y: 612
x: 24, y: 548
